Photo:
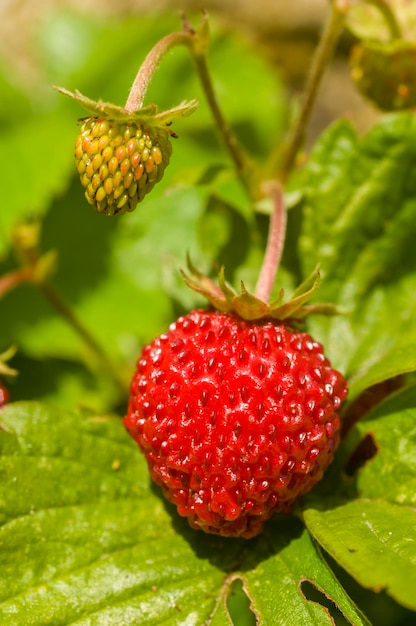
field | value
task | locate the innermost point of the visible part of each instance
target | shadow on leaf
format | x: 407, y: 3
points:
x: 231, y: 554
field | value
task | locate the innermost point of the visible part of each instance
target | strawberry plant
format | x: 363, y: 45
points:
x: 271, y: 390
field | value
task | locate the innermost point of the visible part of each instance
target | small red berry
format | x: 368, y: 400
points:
x: 236, y: 418
x: 4, y: 395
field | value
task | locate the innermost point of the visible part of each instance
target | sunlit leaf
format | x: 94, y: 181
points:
x: 390, y: 474
x: 85, y: 539
x: 374, y: 541
x: 359, y: 225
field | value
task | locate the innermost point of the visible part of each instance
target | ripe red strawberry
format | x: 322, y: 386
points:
x: 4, y: 395
x: 119, y: 162
x: 6, y: 370
x: 236, y: 418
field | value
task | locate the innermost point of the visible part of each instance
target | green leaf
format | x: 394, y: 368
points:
x: 391, y: 473
x: 30, y: 187
x: 93, y: 540
x: 85, y: 539
x: 398, y: 357
x: 373, y: 535
x: 374, y: 541
x: 64, y: 383
x: 121, y: 278
x: 224, y: 235
x: 359, y: 224
x: 286, y: 559
x: 121, y: 271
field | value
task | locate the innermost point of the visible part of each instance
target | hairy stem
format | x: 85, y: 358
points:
x: 197, y: 42
x: 15, y: 278
x: 389, y: 17
x: 149, y: 66
x: 29, y: 275
x: 65, y: 311
x: 320, y: 61
x: 37, y: 269
x: 229, y: 139
x: 274, y: 247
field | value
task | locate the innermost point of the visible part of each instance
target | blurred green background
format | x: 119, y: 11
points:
x: 121, y: 276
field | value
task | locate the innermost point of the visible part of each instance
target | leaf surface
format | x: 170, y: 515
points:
x: 373, y: 535
x: 374, y: 541
x: 121, y: 276
x: 289, y: 558
x: 85, y: 539
x: 390, y: 474
x: 359, y: 224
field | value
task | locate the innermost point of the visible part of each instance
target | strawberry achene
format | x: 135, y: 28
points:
x: 236, y: 419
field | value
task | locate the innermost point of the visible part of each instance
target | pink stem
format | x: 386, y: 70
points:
x: 274, y: 248
x: 13, y: 279
x: 149, y: 66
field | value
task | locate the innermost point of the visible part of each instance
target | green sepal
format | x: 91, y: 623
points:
x: 227, y: 291
x: 302, y: 294
x: 277, y: 301
x: 248, y: 306
x: 203, y: 285
x: 45, y: 266
x: 226, y: 299
x: 309, y: 285
x: 320, y: 308
x: 201, y: 37
x: 148, y: 114
x: 6, y: 370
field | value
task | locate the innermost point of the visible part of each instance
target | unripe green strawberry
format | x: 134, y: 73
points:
x: 119, y: 162
x: 121, y: 153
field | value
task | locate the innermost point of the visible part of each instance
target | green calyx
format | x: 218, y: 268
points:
x: 148, y: 114
x: 226, y: 299
x: 5, y: 369
x: 121, y: 153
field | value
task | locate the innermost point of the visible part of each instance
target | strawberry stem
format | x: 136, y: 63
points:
x: 320, y: 61
x: 197, y: 41
x: 15, y: 278
x: 149, y: 66
x: 5, y: 369
x: 237, y: 153
x: 235, y: 150
x: 66, y: 312
x: 36, y: 269
x: 389, y: 17
x: 274, y: 247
